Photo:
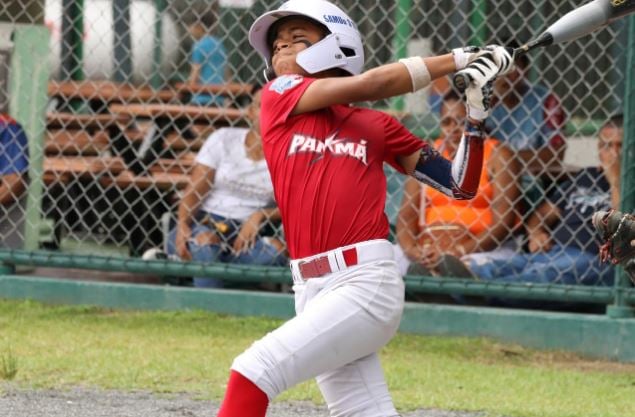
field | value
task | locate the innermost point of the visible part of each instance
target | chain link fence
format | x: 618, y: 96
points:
x: 130, y: 100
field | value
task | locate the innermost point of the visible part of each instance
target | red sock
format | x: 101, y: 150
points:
x: 243, y: 398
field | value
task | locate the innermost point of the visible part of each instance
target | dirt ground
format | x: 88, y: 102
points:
x: 81, y: 402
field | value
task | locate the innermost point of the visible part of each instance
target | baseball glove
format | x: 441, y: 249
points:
x: 617, y: 231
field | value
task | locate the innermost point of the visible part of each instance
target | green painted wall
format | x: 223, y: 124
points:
x: 594, y: 336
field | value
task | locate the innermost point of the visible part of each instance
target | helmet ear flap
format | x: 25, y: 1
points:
x: 269, y: 74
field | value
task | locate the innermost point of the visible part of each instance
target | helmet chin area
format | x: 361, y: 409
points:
x: 270, y: 74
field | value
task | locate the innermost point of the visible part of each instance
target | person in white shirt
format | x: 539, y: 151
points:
x: 228, y: 202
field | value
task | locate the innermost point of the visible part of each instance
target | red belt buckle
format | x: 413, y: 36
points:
x: 315, y: 268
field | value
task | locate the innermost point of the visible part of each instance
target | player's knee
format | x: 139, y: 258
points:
x: 261, y: 366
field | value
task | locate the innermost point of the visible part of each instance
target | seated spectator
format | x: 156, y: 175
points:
x: 14, y: 165
x: 228, y: 202
x: 529, y: 119
x: 208, y: 59
x: 431, y: 225
x: 563, y: 245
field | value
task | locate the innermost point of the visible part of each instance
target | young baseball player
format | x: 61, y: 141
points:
x: 326, y: 161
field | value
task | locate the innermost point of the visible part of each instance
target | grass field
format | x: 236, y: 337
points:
x: 57, y: 347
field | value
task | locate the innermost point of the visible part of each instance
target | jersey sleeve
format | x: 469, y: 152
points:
x: 211, y: 152
x: 399, y: 141
x: 279, y: 98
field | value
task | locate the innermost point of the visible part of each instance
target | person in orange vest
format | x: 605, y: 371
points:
x: 431, y: 225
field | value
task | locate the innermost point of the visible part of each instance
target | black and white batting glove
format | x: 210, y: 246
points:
x: 482, y: 72
x: 483, y: 69
x: 503, y: 56
x: 463, y: 56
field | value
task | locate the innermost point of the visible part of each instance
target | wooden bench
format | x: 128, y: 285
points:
x: 113, y: 92
x: 211, y: 115
x: 63, y: 169
x: 80, y: 134
x: 75, y: 142
x: 227, y: 89
x: 165, y: 174
x: 164, y: 181
x: 66, y: 120
x: 173, y: 140
x: 178, y: 143
x: 108, y: 92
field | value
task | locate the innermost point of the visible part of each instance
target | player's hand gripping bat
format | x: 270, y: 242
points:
x: 576, y: 23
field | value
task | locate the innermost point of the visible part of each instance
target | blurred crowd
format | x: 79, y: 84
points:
x: 530, y: 222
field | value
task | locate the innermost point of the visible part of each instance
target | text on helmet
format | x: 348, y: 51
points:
x: 332, y: 18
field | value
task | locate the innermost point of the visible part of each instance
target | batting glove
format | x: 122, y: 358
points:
x: 503, y: 56
x: 463, y: 56
x: 482, y: 73
x: 484, y: 67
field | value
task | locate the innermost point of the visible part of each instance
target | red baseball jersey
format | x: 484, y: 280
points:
x: 327, y: 167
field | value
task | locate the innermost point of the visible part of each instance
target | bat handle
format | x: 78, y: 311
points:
x: 461, y: 81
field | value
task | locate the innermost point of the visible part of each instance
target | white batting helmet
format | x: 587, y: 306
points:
x: 341, y: 48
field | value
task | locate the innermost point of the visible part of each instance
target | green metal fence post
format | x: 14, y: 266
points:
x: 122, y: 42
x: 156, y: 80
x: 477, y: 22
x: 72, y: 39
x: 28, y: 84
x: 620, y: 307
x: 537, y: 24
x: 400, y: 41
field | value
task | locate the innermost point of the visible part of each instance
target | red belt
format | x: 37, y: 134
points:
x: 321, y: 266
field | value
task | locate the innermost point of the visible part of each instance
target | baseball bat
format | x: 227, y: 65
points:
x: 578, y: 22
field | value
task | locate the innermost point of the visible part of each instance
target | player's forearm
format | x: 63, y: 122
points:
x: 460, y: 178
x: 395, y: 79
x: 440, y: 66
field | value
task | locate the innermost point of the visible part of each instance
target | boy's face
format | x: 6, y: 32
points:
x: 293, y: 36
x: 196, y: 30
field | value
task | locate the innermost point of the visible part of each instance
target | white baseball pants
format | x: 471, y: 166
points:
x: 343, y: 319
